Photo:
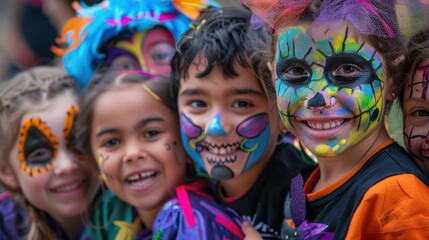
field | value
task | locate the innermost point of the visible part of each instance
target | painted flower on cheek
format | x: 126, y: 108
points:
x: 329, y: 91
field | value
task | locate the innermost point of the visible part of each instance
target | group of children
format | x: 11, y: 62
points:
x: 130, y: 147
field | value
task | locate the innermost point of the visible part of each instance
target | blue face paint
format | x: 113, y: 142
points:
x: 215, y: 128
x: 226, y: 157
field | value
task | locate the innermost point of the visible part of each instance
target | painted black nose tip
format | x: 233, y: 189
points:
x: 317, y: 101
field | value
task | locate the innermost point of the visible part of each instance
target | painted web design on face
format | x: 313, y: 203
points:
x: 328, y: 84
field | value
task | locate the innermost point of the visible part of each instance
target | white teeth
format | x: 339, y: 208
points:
x: 325, y: 125
x: 67, y: 188
x: 141, y: 178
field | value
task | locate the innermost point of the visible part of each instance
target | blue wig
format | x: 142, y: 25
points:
x: 84, y: 35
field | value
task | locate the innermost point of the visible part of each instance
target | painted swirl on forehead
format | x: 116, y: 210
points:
x: 313, y: 72
x: 37, y: 147
x: 424, y: 70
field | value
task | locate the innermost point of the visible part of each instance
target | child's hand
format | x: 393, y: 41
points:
x: 249, y: 232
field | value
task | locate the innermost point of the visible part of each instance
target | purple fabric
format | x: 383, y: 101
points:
x: 171, y: 222
x: 379, y: 16
x: 12, y: 218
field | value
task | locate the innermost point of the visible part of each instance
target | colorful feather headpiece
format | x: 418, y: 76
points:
x: 380, y: 18
x: 84, y: 35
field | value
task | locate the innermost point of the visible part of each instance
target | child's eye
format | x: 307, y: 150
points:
x: 162, y: 53
x: 346, y: 70
x: 110, y: 143
x: 151, y: 133
x: 40, y: 156
x: 198, y: 104
x: 420, y: 113
x: 296, y: 72
x: 242, y: 104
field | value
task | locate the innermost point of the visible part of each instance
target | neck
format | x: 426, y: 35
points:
x: 334, y: 168
x: 238, y: 186
x: 70, y: 225
x: 147, y: 216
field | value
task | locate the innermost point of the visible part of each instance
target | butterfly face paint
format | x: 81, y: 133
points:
x: 329, y: 87
x: 149, y: 51
x: 225, y: 155
x: 416, y: 115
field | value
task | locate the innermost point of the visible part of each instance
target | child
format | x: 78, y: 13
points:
x: 125, y: 34
x: 415, y: 99
x: 40, y: 163
x: 336, y: 72
x: 130, y: 123
x: 228, y: 117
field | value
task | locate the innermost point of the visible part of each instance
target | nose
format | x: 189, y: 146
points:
x: 215, y: 128
x: 134, y: 150
x: 320, y: 101
x: 65, y: 163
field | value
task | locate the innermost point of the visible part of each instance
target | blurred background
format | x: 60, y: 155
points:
x: 29, y: 27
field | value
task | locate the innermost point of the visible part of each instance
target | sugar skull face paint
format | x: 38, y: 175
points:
x: 150, y: 51
x: 416, y: 115
x: 330, y: 88
x: 226, y: 126
x: 37, y: 147
x: 219, y: 159
x: 69, y: 133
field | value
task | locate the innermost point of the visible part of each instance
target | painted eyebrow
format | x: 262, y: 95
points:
x: 416, y: 100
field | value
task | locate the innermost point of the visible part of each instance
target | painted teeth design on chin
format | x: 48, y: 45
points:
x: 224, y: 149
x: 221, y: 160
x: 325, y: 125
x: 138, y: 177
x: 67, y: 188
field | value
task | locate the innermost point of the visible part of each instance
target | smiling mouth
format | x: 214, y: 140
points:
x: 325, y: 125
x: 68, y: 188
x: 141, y: 179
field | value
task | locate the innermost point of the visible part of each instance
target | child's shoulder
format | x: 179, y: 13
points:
x: 111, y: 218
x: 193, y: 211
x: 12, y: 218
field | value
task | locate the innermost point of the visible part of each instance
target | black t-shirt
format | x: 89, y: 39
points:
x: 263, y: 204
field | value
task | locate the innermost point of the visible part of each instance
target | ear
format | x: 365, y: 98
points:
x: 7, y: 177
x: 394, y: 90
x: 271, y: 68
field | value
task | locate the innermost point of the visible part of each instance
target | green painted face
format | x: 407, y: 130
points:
x: 330, y: 88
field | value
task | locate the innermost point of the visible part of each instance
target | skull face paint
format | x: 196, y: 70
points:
x: 330, y: 88
x: 239, y: 150
x: 69, y: 132
x: 37, y: 147
x: 416, y: 115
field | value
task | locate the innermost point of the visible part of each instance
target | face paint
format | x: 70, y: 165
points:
x: 69, y: 132
x: 416, y: 116
x: 150, y: 51
x: 101, y: 160
x: 37, y: 147
x: 225, y: 160
x: 329, y: 88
